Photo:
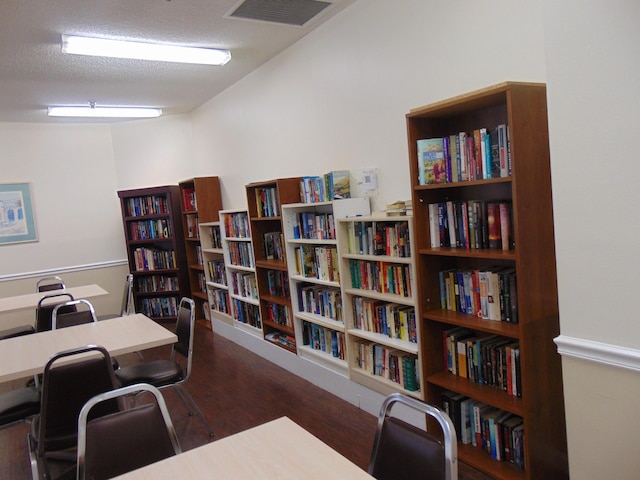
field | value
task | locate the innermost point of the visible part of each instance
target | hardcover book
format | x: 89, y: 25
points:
x: 431, y: 161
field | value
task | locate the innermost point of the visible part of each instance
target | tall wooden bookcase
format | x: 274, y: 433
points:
x: 155, y: 249
x: 264, y: 201
x: 201, y: 201
x: 522, y: 107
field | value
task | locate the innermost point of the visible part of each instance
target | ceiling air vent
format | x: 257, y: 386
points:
x: 288, y: 12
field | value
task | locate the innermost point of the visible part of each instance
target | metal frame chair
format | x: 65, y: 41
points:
x: 169, y: 372
x: 44, y: 310
x: 67, y: 386
x: 68, y: 314
x: 47, y: 284
x: 402, y: 451
x: 114, y: 444
x: 127, y: 307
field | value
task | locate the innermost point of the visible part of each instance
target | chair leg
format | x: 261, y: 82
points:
x: 33, y: 458
x: 188, y: 401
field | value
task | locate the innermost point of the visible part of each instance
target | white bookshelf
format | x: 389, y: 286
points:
x: 373, y: 260
x: 241, y: 273
x: 316, y: 296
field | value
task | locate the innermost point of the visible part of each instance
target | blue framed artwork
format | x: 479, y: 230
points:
x: 17, y: 223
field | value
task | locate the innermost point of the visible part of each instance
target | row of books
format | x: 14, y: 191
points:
x: 244, y: 284
x: 158, y: 306
x: 394, y: 365
x: 154, y: 259
x: 241, y: 254
x: 323, y: 301
x: 150, y: 229
x: 236, y: 225
x: 313, y: 225
x: 496, y: 432
x: 215, y: 236
x: 199, y: 257
x: 219, y: 300
x: 481, y: 154
x: 267, y: 202
x: 330, y: 186
x: 192, y: 226
x: 148, y: 205
x: 472, y: 224
x: 486, y: 359
x: 202, y: 282
x: 189, y: 203
x: 390, y: 319
x: 317, y: 262
x: 281, y: 339
x: 157, y: 283
x: 246, y: 313
x: 278, y: 283
x: 279, y: 314
x: 381, y: 277
x: 379, y: 238
x: 217, y: 272
x: 273, y: 246
x: 324, y: 339
x: 490, y: 294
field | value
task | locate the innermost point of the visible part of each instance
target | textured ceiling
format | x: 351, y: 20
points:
x: 35, y: 74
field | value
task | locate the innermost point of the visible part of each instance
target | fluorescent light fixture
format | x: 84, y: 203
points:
x: 105, y: 112
x: 103, y: 47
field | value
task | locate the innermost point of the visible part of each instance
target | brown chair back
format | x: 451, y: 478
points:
x: 114, y: 444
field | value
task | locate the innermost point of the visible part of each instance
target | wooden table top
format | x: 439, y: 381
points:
x: 30, y: 300
x: 25, y: 356
x: 277, y: 450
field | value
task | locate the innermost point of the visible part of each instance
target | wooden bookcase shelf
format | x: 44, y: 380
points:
x: 311, y: 243
x: 526, y: 188
x: 264, y: 201
x: 377, y: 264
x: 241, y: 270
x: 201, y: 200
x: 155, y: 249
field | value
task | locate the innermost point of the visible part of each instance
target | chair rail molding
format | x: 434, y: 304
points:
x: 604, y: 353
x: 58, y: 271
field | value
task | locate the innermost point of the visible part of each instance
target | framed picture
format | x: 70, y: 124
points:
x: 17, y: 223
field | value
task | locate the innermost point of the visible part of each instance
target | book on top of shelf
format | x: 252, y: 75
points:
x: 431, y: 161
x: 339, y: 184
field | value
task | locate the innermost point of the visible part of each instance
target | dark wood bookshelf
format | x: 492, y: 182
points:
x: 521, y: 106
x: 155, y: 204
x: 281, y: 191
x: 201, y: 201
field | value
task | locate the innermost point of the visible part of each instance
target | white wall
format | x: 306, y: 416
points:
x: 593, y: 66
x: 73, y: 182
x: 151, y: 153
x: 338, y: 98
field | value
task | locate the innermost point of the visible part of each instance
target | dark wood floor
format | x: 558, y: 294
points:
x: 236, y: 390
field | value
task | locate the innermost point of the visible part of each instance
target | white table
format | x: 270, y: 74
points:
x: 277, y: 450
x: 30, y: 300
x: 25, y: 356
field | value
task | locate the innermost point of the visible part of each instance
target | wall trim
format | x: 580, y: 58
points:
x: 58, y: 271
x: 604, y: 353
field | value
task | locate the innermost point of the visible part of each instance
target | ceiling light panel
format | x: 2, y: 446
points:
x: 104, y: 112
x: 103, y: 47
